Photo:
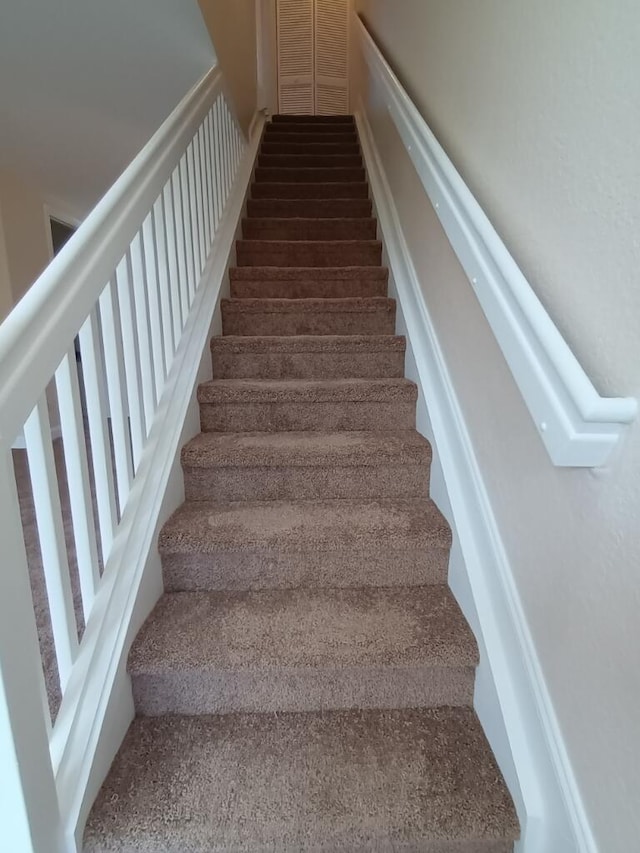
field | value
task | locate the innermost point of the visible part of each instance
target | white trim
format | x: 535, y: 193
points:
x: 61, y: 213
x: 577, y: 425
x: 76, y: 745
x: 554, y: 817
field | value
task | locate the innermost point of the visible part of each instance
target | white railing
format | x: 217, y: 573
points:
x: 124, y: 293
x: 577, y: 425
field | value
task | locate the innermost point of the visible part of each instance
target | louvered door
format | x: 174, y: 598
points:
x: 313, y: 56
x: 331, y: 55
x: 295, y: 56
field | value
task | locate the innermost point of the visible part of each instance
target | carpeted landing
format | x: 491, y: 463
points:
x: 305, y: 683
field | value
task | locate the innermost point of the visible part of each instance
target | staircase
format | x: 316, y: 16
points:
x: 306, y: 680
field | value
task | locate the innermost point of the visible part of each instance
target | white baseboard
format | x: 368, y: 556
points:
x: 511, y: 698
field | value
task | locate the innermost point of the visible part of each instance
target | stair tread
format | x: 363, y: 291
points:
x: 335, y: 189
x: 304, y: 628
x: 306, y: 449
x: 346, y: 304
x: 300, y: 526
x: 308, y: 343
x: 356, y: 780
x: 308, y: 273
x: 305, y: 390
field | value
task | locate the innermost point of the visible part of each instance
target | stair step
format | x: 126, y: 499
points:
x: 309, y: 136
x: 308, y: 253
x: 310, y: 148
x: 303, y: 650
x: 309, y: 174
x: 284, y: 118
x: 264, y: 466
x: 357, y: 189
x: 316, y: 161
x: 333, y: 228
x: 245, y: 405
x: 313, y: 544
x: 317, y: 129
x: 319, y: 208
x: 308, y: 357
x: 307, y: 282
x: 344, y: 316
x: 329, y: 781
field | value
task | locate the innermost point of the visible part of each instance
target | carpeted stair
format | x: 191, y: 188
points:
x: 306, y: 681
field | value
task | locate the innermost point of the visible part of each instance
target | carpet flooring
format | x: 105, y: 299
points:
x: 306, y: 681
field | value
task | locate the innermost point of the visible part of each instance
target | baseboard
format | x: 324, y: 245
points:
x: 97, y: 706
x: 518, y: 718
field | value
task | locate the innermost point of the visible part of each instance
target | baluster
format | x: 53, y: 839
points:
x: 187, y: 226
x: 137, y: 424
x: 181, y: 252
x: 172, y: 255
x: 206, y: 199
x: 46, y: 499
x: 199, y: 200
x: 117, y: 393
x: 220, y: 155
x: 195, y: 233
x: 93, y: 376
x: 153, y: 298
x: 215, y: 164
x: 77, y: 467
x: 141, y: 313
x: 164, y: 282
x: 29, y: 813
x: 211, y: 175
x: 227, y: 151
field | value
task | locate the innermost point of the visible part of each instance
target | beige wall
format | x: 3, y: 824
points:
x: 6, y: 297
x: 232, y: 27
x: 537, y: 104
x: 25, y: 236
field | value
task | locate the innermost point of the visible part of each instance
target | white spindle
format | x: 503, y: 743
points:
x: 193, y: 209
x: 53, y: 549
x: 181, y: 252
x: 200, y: 201
x: 93, y: 377
x: 116, y: 390
x: 209, y: 174
x: 172, y: 260
x: 153, y: 300
x: 164, y: 283
x: 141, y: 309
x: 188, y: 231
x: 124, y: 282
x: 77, y: 467
x: 206, y: 187
x: 219, y: 150
x: 215, y: 166
x: 226, y: 149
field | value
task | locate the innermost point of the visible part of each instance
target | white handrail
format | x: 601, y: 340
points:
x: 578, y: 426
x: 133, y: 289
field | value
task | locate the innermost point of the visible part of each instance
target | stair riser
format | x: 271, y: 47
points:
x: 304, y: 191
x: 317, y: 365
x: 283, y: 118
x: 306, y: 483
x: 294, y: 175
x: 310, y: 148
x: 310, y: 138
x: 316, y: 161
x: 315, y: 229
x: 273, y: 569
x: 380, y: 322
x: 308, y: 254
x: 319, y: 417
x: 315, y: 128
x: 309, y: 208
x: 272, y: 690
x: 348, y: 288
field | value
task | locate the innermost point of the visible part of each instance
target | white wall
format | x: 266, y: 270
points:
x: 537, y: 104
x: 85, y: 83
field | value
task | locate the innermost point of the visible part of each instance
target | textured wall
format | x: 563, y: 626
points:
x: 538, y: 106
x: 232, y: 27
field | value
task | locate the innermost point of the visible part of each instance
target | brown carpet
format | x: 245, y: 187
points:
x: 306, y: 681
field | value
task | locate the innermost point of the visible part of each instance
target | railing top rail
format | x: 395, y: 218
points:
x: 50, y: 314
x: 494, y: 260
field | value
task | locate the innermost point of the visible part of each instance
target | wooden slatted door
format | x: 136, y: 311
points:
x: 331, y: 57
x: 295, y: 56
x: 313, y: 56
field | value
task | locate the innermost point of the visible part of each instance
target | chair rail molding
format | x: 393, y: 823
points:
x: 578, y: 427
